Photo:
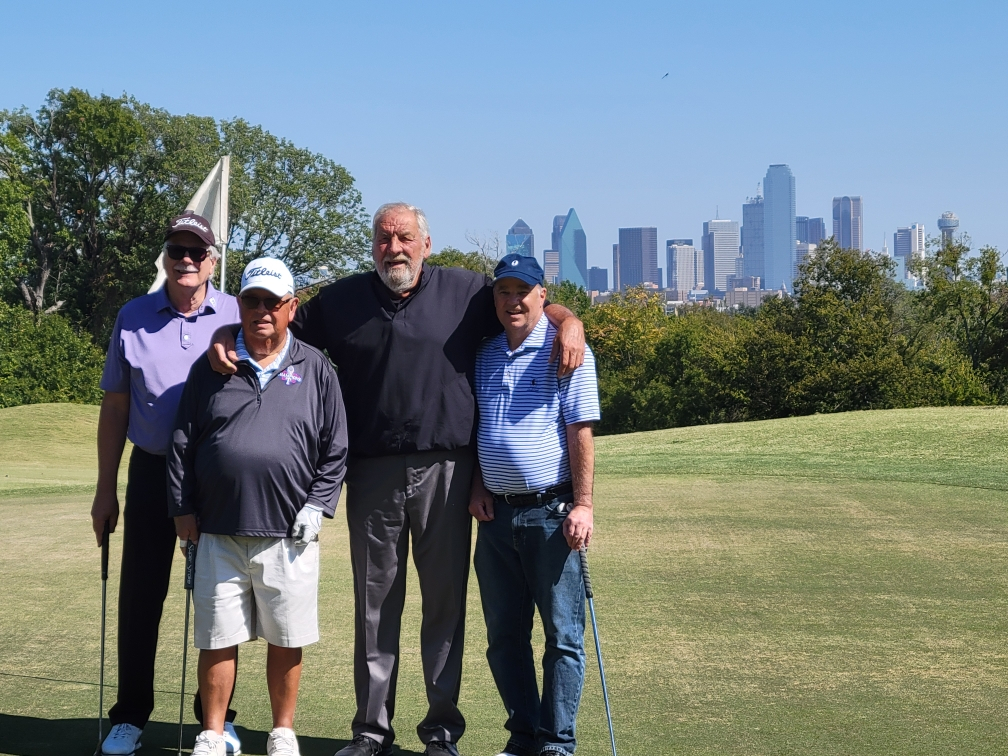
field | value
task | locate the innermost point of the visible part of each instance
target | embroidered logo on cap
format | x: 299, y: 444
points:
x: 289, y: 377
x: 514, y: 262
x: 187, y: 221
x: 262, y: 271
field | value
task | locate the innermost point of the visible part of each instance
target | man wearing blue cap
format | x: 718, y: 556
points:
x: 532, y: 495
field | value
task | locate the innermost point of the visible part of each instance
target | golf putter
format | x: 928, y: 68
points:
x: 583, y: 553
x: 190, y: 568
x: 101, y: 663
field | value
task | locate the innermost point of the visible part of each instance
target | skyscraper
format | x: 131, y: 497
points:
x: 551, y: 266
x: 570, y: 241
x: 598, y: 279
x: 848, y: 222
x: 681, y: 265
x: 752, y: 237
x: 617, y: 284
x: 810, y: 230
x: 778, y: 227
x: 803, y: 250
x: 720, y: 249
x: 520, y: 240
x: 638, y: 256
x: 909, y: 242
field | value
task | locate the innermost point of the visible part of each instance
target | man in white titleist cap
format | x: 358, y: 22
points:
x: 257, y: 458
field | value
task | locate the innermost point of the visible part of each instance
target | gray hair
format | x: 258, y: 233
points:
x: 389, y: 207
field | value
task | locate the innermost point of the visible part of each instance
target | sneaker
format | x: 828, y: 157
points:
x: 231, y: 740
x: 441, y: 748
x: 209, y: 743
x: 282, y: 742
x: 362, y: 745
x: 122, y: 740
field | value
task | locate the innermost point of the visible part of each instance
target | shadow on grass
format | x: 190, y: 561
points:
x: 35, y: 736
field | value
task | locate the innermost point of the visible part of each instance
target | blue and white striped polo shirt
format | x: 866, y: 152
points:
x: 524, y: 410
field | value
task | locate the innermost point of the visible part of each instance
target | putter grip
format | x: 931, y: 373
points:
x: 583, y: 553
x: 190, y: 564
x: 104, y: 551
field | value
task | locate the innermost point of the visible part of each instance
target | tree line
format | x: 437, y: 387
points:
x: 87, y: 183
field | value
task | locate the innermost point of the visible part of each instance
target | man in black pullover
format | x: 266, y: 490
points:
x: 257, y: 458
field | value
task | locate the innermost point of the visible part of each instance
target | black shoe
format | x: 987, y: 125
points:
x: 441, y: 748
x: 362, y: 745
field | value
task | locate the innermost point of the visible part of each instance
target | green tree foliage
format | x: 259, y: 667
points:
x: 450, y: 257
x: 967, y: 294
x: 850, y: 338
x: 42, y: 359
x: 571, y: 296
x: 87, y: 184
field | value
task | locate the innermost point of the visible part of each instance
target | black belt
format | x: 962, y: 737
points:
x: 532, y: 498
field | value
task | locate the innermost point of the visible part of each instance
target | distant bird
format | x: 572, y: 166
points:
x: 666, y: 75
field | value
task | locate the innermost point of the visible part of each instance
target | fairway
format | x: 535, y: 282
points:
x: 835, y: 584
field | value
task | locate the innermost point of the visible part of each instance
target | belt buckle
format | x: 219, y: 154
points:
x: 507, y: 500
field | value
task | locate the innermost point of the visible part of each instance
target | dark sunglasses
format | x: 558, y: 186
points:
x: 180, y: 251
x: 252, y: 302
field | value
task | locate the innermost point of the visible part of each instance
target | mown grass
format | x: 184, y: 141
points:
x: 826, y: 585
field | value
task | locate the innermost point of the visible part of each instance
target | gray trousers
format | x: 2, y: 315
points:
x: 390, y: 499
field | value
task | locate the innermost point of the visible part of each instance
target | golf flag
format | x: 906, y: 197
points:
x: 210, y: 201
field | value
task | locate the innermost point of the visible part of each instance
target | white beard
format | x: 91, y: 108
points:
x: 399, y: 279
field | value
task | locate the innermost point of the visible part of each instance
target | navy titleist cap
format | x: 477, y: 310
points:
x: 196, y: 224
x: 522, y: 267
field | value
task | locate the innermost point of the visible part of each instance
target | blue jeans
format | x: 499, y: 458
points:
x: 523, y: 562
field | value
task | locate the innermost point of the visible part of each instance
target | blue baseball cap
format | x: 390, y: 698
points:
x: 522, y: 267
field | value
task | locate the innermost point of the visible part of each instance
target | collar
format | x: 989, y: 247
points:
x: 211, y: 300
x: 243, y: 354
x: 535, y: 340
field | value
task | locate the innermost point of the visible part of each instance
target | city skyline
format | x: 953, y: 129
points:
x: 474, y: 170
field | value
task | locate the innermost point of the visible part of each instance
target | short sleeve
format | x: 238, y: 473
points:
x: 579, y: 402
x: 116, y: 375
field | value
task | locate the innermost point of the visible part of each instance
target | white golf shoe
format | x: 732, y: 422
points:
x: 231, y: 740
x: 209, y: 743
x: 282, y: 742
x: 122, y: 740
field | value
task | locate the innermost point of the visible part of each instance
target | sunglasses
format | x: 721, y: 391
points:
x: 252, y: 302
x: 180, y: 251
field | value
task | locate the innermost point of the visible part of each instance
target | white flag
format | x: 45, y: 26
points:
x: 210, y: 201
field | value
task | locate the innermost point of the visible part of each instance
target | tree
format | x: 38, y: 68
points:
x: 293, y: 204
x: 969, y: 292
x: 450, y: 257
x: 571, y: 296
x: 88, y: 183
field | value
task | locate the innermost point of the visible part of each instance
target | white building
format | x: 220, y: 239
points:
x: 684, y: 264
x: 803, y: 251
x: 720, y: 252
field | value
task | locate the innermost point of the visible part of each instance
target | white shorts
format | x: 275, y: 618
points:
x: 247, y: 587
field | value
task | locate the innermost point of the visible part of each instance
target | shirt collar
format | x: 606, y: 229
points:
x: 243, y: 354
x: 535, y: 340
x: 211, y: 301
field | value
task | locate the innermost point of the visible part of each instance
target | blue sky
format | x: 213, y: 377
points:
x: 481, y: 113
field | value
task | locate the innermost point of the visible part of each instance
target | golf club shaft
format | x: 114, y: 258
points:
x: 590, y: 596
x: 190, y: 563
x: 101, y: 663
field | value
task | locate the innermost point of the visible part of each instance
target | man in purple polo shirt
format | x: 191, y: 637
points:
x: 157, y: 338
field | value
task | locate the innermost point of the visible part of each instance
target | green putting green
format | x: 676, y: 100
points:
x: 835, y: 584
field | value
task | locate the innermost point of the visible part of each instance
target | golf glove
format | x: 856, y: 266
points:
x: 307, y: 524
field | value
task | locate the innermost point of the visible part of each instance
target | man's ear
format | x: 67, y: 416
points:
x: 427, y: 248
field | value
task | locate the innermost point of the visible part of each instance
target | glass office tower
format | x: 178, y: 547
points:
x: 570, y: 241
x: 779, y: 234
x: 848, y: 222
x: 520, y: 240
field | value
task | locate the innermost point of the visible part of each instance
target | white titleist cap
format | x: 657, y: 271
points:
x: 267, y: 273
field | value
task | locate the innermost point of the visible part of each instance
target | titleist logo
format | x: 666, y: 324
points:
x: 262, y: 271
x: 190, y: 222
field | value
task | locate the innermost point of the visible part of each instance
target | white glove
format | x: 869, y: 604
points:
x: 307, y: 524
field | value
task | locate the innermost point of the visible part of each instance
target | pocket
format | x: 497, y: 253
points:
x: 559, y: 508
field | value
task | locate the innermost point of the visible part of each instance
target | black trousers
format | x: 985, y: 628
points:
x: 148, y: 547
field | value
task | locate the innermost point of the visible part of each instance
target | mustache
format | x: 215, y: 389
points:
x: 389, y: 261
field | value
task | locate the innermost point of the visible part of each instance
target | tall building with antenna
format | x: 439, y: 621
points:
x: 752, y: 236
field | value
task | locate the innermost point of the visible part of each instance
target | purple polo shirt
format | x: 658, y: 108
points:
x: 151, y: 350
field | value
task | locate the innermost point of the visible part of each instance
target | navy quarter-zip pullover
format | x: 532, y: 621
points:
x: 246, y: 459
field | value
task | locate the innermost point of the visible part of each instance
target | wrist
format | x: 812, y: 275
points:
x: 583, y: 502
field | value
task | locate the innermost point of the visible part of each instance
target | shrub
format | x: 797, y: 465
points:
x: 45, y: 360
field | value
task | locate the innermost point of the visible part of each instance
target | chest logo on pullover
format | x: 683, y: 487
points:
x: 289, y: 377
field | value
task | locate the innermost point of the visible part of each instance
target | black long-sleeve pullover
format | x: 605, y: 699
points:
x: 245, y: 460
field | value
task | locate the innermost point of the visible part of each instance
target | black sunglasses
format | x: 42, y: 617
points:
x: 251, y: 302
x: 180, y: 251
